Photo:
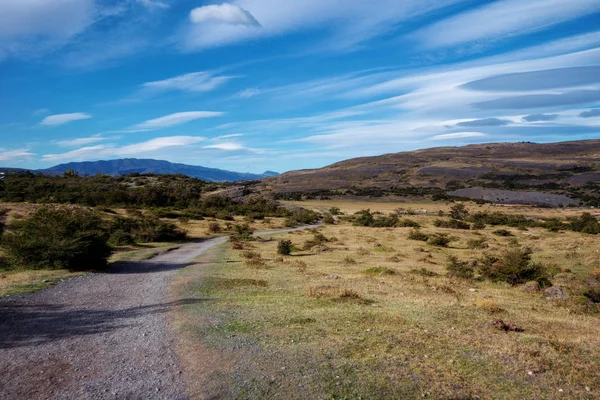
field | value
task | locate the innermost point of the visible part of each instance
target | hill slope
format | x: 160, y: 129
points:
x: 568, y: 168
x: 132, y: 165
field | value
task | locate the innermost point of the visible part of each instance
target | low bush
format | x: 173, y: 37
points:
x: 513, y: 266
x: 459, y: 212
x: 451, y: 223
x: 328, y: 219
x: 502, y: 232
x: 145, y: 229
x: 58, y: 239
x: 302, y: 217
x: 378, y: 271
x: 284, y: 247
x: 423, y: 272
x: 416, y: 234
x: 241, y: 233
x: 317, y: 240
x: 214, y: 227
x: 459, y: 269
x: 439, y: 239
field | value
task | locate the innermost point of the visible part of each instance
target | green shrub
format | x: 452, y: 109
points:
x: 328, y: 219
x: 502, y: 232
x: 284, y: 247
x: 439, y: 239
x: 379, y: 271
x: 459, y: 212
x: 147, y: 229
x: 513, y: 266
x: 423, y: 272
x: 241, y: 232
x: 416, y: 234
x: 317, y: 240
x: 459, y: 269
x: 121, y: 238
x: 58, y: 239
x: 408, y: 223
x: 478, y: 225
x: 302, y: 217
x: 335, y: 211
x: 451, y: 223
x: 214, y: 227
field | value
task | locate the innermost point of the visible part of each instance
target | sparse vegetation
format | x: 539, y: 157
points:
x: 417, y: 234
x: 439, y: 239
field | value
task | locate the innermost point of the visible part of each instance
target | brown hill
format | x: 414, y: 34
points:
x: 566, y: 168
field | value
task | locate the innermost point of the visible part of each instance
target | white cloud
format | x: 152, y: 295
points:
x: 345, y: 23
x: 61, y: 119
x: 81, y: 141
x: 459, y: 135
x: 158, y: 144
x: 153, y: 4
x: 175, y: 119
x: 247, y: 93
x: 111, y: 150
x: 224, y: 13
x: 502, y: 19
x: 15, y: 155
x: 192, y: 82
x: 233, y: 135
x: 227, y: 146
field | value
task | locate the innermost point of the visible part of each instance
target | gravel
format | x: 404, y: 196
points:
x: 98, y: 336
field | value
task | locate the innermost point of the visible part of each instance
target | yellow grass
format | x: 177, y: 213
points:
x: 341, y: 327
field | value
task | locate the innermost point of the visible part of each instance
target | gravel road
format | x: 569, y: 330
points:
x: 98, y: 336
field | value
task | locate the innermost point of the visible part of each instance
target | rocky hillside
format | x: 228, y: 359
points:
x: 570, y: 169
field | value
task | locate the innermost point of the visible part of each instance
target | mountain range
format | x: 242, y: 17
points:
x: 134, y: 165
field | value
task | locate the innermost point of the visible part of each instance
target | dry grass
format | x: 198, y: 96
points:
x: 325, y: 326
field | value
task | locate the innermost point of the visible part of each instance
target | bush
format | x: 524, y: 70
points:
x: 58, y: 239
x: 284, y: 247
x: 459, y: 212
x: 416, y: 234
x: 502, y: 232
x: 214, y: 227
x: 241, y: 232
x: 147, y: 229
x: 302, y: 217
x: 328, y: 219
x: 459, y: 269
x: 514, y: 266
x: 452, y: 224
x: 439, y: 239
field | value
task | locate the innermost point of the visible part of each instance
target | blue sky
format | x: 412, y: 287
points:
x: 252, y: 85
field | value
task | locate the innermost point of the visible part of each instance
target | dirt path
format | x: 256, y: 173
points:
x: 99, y: 336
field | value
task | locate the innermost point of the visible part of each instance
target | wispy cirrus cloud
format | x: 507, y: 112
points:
x: 175, y: 119
x: 346, y: 23
x: 228, y: 146
x: 225, y: 13
x: 15, y: 155
x: 203, y: 81
x: 485, y: 122
x: 81, y: 141
x: 459, y: 135
x: 61, y: 119
x: 502, y: 19
x: 113, y: 150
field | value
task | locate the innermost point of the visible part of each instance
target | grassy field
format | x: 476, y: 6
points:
x: 358, y: 312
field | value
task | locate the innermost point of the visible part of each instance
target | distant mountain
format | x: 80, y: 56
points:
x: 133, y: 165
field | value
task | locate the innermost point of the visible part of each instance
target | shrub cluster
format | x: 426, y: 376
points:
x: 125, y: 230
x: 58, y: 239
x: 366, y: 218
x: 302, y: 217
x: 451, y: 223
x: 284, y: 247
x: 513, y: 266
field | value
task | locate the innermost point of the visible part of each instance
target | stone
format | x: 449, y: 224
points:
x: 555, y: 292
x: 532, y: 286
